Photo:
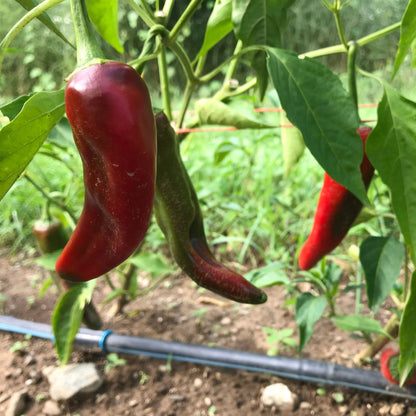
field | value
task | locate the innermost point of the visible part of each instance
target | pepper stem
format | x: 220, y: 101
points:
x: 352, y: 81
x: 88, y: 48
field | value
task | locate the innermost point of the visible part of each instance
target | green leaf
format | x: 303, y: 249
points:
x: 45, y: 19
x: 260, y: 22
x: 212, y: 111
x: 381, y: 258
x: 269, y: 275
x: 48, y: 260
x: 67, y: 317
x: 13, y: 108
x: 360, y: 323
x: 104, y: 16
x: 114, y: 294
x: 292, y: 143
x: 223, y: 150
x: 218, y: 26
x: 21, y: 138
x: 407, y: 36
x: 391, y: 148
x: 308, y: 310
x: 318, y: 105
x: 45, y: 287
x: 153, y: 263
x: 407, y: 331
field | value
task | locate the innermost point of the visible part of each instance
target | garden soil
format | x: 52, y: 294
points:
x: 178, y: 311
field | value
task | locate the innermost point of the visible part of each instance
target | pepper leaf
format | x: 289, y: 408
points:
x: 308, y: 310
x: 212, y: 111
x: 360, y: 323
x: 391, y: 148
x: 407, y: 36
x: 318, y: 105
x: 407, y: 331
x: 104, y: 16
x: 381, y: 258
x: 260, y: 22
x: 22, y: 137
x: 218, y: 26
x: 67, y: 317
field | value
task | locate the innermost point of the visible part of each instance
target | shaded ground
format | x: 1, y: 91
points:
x: 177, y: 311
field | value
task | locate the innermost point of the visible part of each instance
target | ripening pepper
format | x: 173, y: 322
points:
x: 179, y: 217
x: 335, y: 214
x: 389, y: 361
x: 110, y: 113
x: 51, y: 236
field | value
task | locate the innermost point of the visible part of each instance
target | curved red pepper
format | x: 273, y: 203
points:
x: 109, y: 109
x: 179, y: 217
x: 336, y: 212
x: 388, y: 367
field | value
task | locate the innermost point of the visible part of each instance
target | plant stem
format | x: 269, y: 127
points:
x: 352, y: 82
x: 186, y: 15
x: 182, y: 58
x: 189, y: 89
x: 143, y: 14
x: 147, y: 9
x: 222, y: 94
x: 336, y: 11
x: 164, y: 82
x: 379, y: 34
x: 27, y: 18
x: 167, y: 8
x: 360, y: 42
x: 87, y: 45
x: 49, y: 199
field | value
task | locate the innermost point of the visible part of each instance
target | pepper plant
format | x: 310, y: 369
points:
x: 313, y: 98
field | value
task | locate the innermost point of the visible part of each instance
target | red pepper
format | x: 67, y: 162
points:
x: 179, y: 217
x: 109, y: 109
x: 336, y: 212
x: 388, y: 366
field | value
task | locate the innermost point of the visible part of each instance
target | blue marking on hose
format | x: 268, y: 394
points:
x: 101, y: 342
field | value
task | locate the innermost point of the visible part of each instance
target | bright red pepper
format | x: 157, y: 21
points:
x: 179, y: 217
x: 109, y: 109
x: 335, y: 214
x: 388, y: 367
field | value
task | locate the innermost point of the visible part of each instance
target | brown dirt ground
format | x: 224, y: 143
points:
x: 177, y: 311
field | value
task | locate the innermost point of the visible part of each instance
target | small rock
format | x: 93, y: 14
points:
x: 207, y: 401
x: 198, y: 383
x: 51, y: 408
x: 305, y: 405
x: 18, y: 403
x: 177, y: 397
x: 343, y: 409
x: 70, y: 380
x: 398, y: 409
x: 29, y: 360
x: 280, y: 396
x: 384, y: 410
x: 133, y: 403
x: 101, y: 398
x: 225, y: 321
x: 16, y: 373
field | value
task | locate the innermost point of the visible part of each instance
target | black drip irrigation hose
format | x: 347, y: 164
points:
x: 291, y: 368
